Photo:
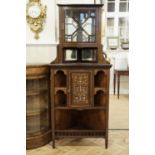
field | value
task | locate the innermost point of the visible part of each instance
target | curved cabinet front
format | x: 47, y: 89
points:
x: 38, y: 126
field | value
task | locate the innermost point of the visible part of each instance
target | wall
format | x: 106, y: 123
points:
x: 43, y: 50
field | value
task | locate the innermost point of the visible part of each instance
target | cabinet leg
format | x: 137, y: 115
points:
x: 118, y: 86
x: 114, y: 82
x: 106, y: 143
x: 53, y: 144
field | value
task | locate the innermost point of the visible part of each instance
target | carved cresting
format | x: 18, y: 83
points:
x: 80, y: 88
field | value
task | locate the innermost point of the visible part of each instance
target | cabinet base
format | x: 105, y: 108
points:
x: 37, y: 141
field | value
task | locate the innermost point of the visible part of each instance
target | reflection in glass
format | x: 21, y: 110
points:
x: 122, y: 21
x: 37, y: 99
x: 79, y: 55
x: 123, y: 6
x: 70, y: 55
x: 71, y: 26
x: 80, y: 26
x: 110, y: 26
x: 111, y: 7
x: 88, y: 55
x: 123, y: 28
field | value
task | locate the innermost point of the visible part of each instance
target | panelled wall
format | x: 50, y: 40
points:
x: 43, y: 50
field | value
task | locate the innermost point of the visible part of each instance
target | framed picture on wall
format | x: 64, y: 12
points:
x: 125, y: 44
x: 112, y: 43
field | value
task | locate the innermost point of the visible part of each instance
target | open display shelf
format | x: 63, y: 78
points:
x: 75, y: 119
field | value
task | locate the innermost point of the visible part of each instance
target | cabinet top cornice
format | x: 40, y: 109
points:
x: 80, y: 5
x: 83, y: 65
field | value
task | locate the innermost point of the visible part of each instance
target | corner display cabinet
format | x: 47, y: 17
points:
x: 38, y: 130
x: 80, y: 75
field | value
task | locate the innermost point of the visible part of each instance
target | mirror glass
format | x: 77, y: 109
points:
x: 70, y: 55
x: 88, y: 54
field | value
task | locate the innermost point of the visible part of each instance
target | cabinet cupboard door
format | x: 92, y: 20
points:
x: 80, y: 88
x: 80, y: 25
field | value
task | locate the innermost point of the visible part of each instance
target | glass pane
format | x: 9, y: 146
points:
x: 36, y: 85
x: 122, y: 21
x: 37, y: 124
x: 88, y: 54
x: 123, y: 28
x: 111, y: 7
x: 37, y: 100
x: 70, y: 55
x: 71, y: 26
x: 80, y: 26
x: 123, y: 7
x: 110, y: 22
x: 110, y: 26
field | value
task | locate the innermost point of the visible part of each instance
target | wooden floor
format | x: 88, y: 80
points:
x: 118, y: 136
x: 119, y: 112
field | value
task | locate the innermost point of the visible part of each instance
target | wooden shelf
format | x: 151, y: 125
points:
x: 60, y: 79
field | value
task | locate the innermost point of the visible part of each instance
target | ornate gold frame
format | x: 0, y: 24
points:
x: 36, y: 24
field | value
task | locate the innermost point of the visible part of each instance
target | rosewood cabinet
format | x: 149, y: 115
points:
x: 38, y: 128
x: 79, y: 77
x: 70, y: 96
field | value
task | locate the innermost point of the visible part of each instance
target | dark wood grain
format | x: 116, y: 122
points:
x: 38, y: 124
x: 77, y: 114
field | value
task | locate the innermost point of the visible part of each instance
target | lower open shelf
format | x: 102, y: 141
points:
x: 84, y: 123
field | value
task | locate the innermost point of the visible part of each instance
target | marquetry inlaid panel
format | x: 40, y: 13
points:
x: 80, y: 88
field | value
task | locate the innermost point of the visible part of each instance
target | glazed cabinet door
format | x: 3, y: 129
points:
x: 80, y: 88
x: 38, y: 124
x: 80, y: 24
